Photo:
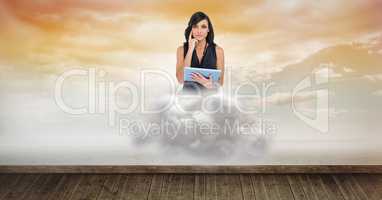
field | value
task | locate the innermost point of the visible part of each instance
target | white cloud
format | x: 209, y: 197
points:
x: 373, y: 77
x: 332, y: 111
x: 327, y: 71
x: 347, y: 69
x: 377, y: 93
x: 88, y: 40
x: 281, y: 98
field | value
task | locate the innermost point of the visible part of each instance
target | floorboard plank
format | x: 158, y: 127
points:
x: 66, y: 187
x: 296, y: 187
x: 307, y: 187
x: 247, y: 187
x: 283, y: 187
x: 137, y: 187
x: 22, y: 186
x: 200, y: 187
x: 211, y: 192
x: 82, y: 187
x: 318, y: 186
x: 368, y: 184
x: 172, y: 187
x: 156, y: 186
x: 112, y: 187
x: 331, y: 187
x: 259, y: 187
x: 43, y: 187
x: 89, y: 187
x: 188, y: 185
x: 166, y: 184
x: 348, y: 188
x: 222, y: 187
x: 34, y: 188
x: 378, y: 183
x: 7, y: 183
x: 270, y: 186
x: 233, y: 186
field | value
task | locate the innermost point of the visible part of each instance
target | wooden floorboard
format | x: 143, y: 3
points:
x: 283, y: 187
x: 296, y: 187
x: 66, y: 187
x: 331, y: 187
x: 136, y: 187
x: 259, y: 187
x: 43, y: 187
x: 349, y: 188
x: 247, y: 187
x: 199, y: 187
x: 369, y: 184
x: 8, y: 182
x: 112, y: 187
x: 156, y: 186
x: 317, y: 185
x: 191, y: 186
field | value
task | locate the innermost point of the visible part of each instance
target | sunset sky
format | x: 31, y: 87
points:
x: 53, y: 34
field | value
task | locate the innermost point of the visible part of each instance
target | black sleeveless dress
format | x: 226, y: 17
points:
x: 208, y: 61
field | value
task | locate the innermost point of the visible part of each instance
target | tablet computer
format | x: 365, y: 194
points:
x: 215, y: 73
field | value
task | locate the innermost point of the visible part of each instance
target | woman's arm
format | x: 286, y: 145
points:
x: 184, y: 61
x: 191, y: 46
x: 188, y: 58
x: 179, y: 64
x: 220, y: 62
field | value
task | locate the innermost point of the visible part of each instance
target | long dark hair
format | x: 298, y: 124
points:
x: 196, y: 18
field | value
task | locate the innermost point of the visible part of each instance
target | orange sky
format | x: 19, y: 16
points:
x: 268, y: 34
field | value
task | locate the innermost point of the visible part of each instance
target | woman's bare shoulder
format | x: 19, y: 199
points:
x: 219, y: 49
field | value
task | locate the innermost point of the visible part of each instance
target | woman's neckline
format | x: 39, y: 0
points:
x: 204, y: 53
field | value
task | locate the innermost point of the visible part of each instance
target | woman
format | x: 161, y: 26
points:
x: 200, y: 51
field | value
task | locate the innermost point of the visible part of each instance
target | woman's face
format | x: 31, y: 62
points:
x: 200, y: 30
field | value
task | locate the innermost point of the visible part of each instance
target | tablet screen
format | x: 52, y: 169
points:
x: 215, y: 73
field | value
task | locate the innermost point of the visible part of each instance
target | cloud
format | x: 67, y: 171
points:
x: 327, y: 71
x: 331, y: 111
x: 346, y: 69
x: 373, y: 77
x: 283, y: 98
x: 377, y: 93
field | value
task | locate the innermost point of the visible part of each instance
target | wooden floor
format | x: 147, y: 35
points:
x: 206, y: 186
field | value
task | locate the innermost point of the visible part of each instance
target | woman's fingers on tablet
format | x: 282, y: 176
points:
x: 201, y: 76
x: 194, y: 76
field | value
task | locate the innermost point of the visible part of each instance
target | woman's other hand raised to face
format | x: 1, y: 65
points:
x: 192, y: 42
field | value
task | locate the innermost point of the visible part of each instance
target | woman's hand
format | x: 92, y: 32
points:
x: 206, y: 82
x: 192, y: 42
